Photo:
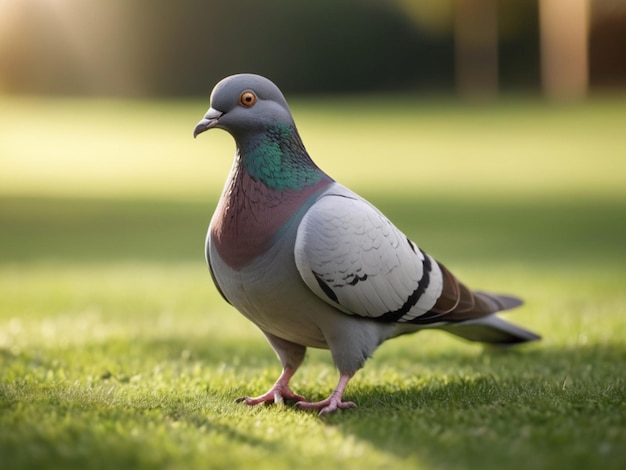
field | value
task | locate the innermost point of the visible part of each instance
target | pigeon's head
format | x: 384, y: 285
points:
x: 244, y: 104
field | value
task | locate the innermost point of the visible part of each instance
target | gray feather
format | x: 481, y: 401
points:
x: 492, y: 330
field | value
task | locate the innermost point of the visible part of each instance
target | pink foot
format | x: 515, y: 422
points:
x: 333, y: 403
x: 329, y: 405
x: 276, y: 394
x: 279, y: 392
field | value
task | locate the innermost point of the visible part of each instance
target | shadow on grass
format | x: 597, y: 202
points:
x: 545, y: 406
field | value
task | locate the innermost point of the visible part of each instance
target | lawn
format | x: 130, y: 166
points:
x: 117, y: 352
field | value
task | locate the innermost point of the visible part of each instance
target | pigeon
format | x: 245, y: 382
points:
x: 312, y: 264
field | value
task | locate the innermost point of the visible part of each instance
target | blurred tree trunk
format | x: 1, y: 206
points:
x: 607, y: 45
x: 564, y: 26
x: 476, y: 48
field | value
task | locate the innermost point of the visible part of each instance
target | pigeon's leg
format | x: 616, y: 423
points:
x: 279, y: 392
x: 351, y: 341
x: 291, y: 356
x: 333, y: 402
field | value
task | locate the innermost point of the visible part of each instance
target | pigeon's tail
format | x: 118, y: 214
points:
x: 495, y: 302
x: 473, y: 316
x: 491, y: 330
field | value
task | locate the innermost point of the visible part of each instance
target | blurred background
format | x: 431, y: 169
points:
x: 155, y: 48
x: 463, y: 100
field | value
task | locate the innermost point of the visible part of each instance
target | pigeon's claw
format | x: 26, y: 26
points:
x: 327, y: 406
x: 277, y: 394
x: 333, y: 403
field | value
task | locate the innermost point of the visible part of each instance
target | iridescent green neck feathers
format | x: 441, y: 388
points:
x: 278, y: 159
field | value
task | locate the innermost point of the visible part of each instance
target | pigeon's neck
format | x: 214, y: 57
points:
x: 270, y: 187
x: 277, y: 158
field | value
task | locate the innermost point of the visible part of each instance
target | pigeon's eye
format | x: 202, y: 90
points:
x: 247, y: 99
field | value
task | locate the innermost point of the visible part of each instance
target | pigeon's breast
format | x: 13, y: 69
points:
x: 250, y: 254
x: 270, y: 293
x: 250, y: 215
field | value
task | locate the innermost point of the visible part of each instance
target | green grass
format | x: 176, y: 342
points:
x: 117, y: 352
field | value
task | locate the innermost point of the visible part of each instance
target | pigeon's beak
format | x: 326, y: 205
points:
x: 209, y: 120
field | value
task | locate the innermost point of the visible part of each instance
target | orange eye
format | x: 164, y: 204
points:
x: 247, y: 99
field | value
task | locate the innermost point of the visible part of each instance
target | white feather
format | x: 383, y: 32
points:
x: 366, y: 265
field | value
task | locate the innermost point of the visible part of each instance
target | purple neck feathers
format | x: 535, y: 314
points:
x: 250, y: 214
